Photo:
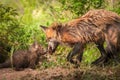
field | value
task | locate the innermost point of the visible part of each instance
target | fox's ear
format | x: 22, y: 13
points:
x: 33, y: 47
x: 44, y: 28
x: 35, y: 44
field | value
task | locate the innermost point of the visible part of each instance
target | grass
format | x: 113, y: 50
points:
x: 31, y: 15
x: 59, y: 57
x: 29, y: 31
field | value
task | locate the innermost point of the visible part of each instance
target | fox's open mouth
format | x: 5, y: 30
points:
x: 51, y: 50
x: 52, y: 47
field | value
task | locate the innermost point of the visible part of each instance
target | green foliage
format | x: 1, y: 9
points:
x: 16, y: 34
x: 19, y: 23
x: 90, y: 54
x: 8, y: 24
x: 116, y: 8
x: 79, y: 7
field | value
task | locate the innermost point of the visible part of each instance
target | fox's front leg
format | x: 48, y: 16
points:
x: 76, y: 49
x: 32, y: 63
x: 79, y: 56
x: 103, y: 56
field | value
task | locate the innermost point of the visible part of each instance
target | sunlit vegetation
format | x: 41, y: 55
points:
x: 20, y: 20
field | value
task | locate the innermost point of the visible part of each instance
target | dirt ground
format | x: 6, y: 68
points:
x: 47, y: 74
x: 66, y: 72
x: 60, y: 73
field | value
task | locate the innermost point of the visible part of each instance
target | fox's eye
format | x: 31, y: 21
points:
x: 48, y: 39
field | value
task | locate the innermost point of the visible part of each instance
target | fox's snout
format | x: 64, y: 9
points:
x: 52, y: 45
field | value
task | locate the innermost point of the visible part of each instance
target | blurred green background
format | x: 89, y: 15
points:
x: 20, y: 20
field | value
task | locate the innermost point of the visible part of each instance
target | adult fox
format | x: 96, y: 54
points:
x: 86, y: 29
x: 76, y: 34
x: 109, y: 23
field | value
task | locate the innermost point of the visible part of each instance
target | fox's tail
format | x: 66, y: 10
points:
x: 6, y: 64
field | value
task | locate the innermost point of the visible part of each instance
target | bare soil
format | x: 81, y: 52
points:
x: 29, y: 74
x: 60, y: 73
x: 63, y: 72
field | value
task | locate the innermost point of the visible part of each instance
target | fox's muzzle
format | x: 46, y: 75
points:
x: 52, y: 45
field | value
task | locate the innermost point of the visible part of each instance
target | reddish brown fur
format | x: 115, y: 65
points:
x: 84, y: 34
x: 109, y: 23
x: 94, y: 26
x: 75, y: 33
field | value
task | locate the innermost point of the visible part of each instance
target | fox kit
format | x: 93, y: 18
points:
x: 25, y: 58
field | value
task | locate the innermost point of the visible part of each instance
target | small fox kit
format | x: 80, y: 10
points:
x: 24, y: 58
